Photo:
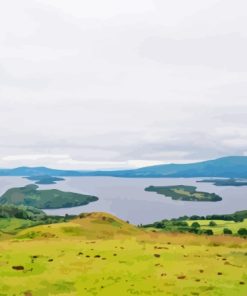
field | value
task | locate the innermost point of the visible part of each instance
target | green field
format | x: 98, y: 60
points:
x: 220, y: 225
x: 98, y: 254
x: 198, y: 226
x: 182, y: 192
x: 12, y: 225
x: 229, y: 224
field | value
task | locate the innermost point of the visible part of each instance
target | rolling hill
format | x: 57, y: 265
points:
x: 99, y: 254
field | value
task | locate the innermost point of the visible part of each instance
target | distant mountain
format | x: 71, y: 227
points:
x: 228, y: 167
x: 37, y: 171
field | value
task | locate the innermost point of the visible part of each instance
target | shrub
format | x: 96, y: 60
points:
x: 212, y: 224
x: 159, y: 225
x: 180, y: 223
x: 195, y: 217
x: 183, y: 229
x: 208, y: 231
x: 195, y: 225
x: 194, y: 230
x: 242, y: 231
x: 227, y: 231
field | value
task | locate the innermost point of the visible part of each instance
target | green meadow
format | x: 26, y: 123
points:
x: 99, y: 254
x: 220, y: 225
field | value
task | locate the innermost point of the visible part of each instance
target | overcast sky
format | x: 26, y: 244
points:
x: 117, y: 84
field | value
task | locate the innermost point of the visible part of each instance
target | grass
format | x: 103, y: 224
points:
x: 99, y: 254
x: 12, y: 225
x: 220, y: 225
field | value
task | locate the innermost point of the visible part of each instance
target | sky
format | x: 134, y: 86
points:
x: 121, y: 84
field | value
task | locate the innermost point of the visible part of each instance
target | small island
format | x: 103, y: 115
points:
x: 44, y: 179
x: 185, y: 193
x: 44, y: 199
x: 225, y: 182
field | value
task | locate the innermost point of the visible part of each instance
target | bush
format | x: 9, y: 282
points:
x: 212, y: 224
x: 208, y: 231
x: 182, y: 229
x: 195, y: 225
x: 227, y: 231
x: 195, y: 217
x: 242, y: 231
x: 21, y: 212
x: 180, y: 223
x: 194, y: 230
x: 159, y: 225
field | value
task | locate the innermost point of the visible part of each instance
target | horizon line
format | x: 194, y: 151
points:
x: 159, y: 163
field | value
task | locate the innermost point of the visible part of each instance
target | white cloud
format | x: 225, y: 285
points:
x: 101, y: 9
x: 61, y: 161
x: 34, y: 157
x: 106, y: 82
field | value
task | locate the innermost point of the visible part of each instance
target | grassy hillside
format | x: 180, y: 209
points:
x: 44, y: 199
x: 98, y: 254
x: 91, y: 226
x: 14, y: 218
x: 13, y: 225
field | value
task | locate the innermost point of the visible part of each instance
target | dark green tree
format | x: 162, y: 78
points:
x: 208, y: 231
x: 195, y: 225
x: 227, y: 231
x: 242, y: 231
x: 212, y: 224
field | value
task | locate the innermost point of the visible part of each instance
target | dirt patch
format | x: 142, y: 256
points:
x: 18, y: 267
x: 157, y: 255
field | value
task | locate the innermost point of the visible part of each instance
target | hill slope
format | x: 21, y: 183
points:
x: 89, y: 225
x: 99, y: 254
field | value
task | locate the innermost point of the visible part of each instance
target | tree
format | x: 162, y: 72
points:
x: 180, y: 223
x: 242, y: 231
x: 159, y: 225
x: 227, y: 231
x: 208, y: 231
x: 212, y: 224
x: 195, y: 225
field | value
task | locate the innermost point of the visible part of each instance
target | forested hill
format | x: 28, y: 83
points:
x: 229, y: 167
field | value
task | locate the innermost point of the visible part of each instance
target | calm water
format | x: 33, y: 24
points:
x: 127, y: 199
